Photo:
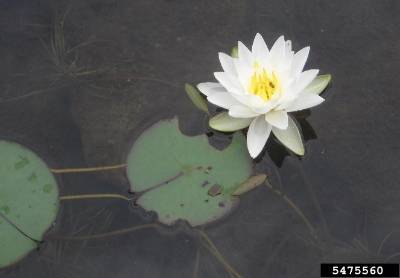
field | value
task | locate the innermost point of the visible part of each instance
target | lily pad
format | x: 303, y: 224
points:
x: 28, y: 201
x: 185, y: 178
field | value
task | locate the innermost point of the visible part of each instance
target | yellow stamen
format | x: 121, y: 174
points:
x: 263, y: 84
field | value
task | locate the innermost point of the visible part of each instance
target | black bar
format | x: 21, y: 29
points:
x: 359, y: 270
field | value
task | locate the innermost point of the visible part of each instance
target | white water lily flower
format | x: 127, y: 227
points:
x: 259, y: 88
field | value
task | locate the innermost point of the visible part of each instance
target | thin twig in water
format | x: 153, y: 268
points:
x: 85, y: 170
x: 276, y: 251
x: 30, y: 94
x: 76, y: 230
x: 383, y: 242
x: 314, y: 199
x: 108, y: 234
x: 229, y: 269
x: 392, y: 257
x: 82, y: 44
x: 151, y: 79
x: 294, y: 207
x: 196, y: 264
x: 94, y: 196
x: 210, y: 246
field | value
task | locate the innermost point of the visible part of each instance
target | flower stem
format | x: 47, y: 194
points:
x: 94, y: 196
x: 196, y: 264
x: 294, y: 207
x: 210, y: 246
x: 85, y: 170
x: 314, y: 199
x: 108, y: 234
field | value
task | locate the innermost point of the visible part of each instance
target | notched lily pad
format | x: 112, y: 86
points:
x: 28, y: 201
x: 183, y: 177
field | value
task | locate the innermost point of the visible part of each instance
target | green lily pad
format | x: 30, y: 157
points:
x: 28, y: 201
x: 183, y: 177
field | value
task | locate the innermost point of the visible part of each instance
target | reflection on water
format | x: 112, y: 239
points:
x: 80, y: 80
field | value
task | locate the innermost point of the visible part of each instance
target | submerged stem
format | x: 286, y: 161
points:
x: 151, y: 79
x: 32, y: 93
x: 94, y: 196
x: 392, y: 257
x: 108, y: 234
x: 294, y: 207
x: 383, y: 242
x: 196, y: 264
x: 314, y: 199
x: 85, y: 170
x: 210, y: 246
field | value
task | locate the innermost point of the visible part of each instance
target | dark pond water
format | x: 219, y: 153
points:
x: 122, y: 68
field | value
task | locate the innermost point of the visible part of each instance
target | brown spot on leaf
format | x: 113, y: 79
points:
x: 215, y: 190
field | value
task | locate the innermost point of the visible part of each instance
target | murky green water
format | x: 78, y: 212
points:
x: 80, y: 80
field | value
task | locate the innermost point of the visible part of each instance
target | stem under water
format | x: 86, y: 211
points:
x: 86, y: 170
x: 314, y: 199
x: 210, y: 246
x: 196, y: 264
x: 294, y: 207
x: 94, y: 196
x: 108, y: 234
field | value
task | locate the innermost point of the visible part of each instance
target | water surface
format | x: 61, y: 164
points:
x: 120, y: 66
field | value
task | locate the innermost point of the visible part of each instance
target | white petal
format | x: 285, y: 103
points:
x: 209, y: 88
x: 318, y: 85
x: 278, y: 119
x: 244, y: 72
x: 224, y: 122
x: 304, y: 80
x: 288, y: 46
x: 278, y: 50
x: 227, y: 63
x: 290, y: 137
x: 257, y: 136
x: 255, y: 103
x: 240, y: 111
x: 251, y: 101
x: 299, y: 60
x: 263, y: 109
x: 288, y: 55
x: 260, y: 49
x: 245, y: 54
x: 223, y: 99
x: 230, y: 84
x: 292, y: 92
x: 304, y: 101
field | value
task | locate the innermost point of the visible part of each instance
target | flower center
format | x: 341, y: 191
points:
x: 263, y: 84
